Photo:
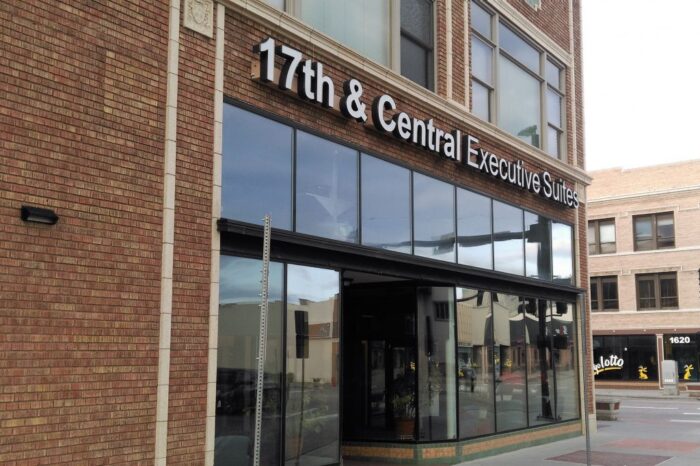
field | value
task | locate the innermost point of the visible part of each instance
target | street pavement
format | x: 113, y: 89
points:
x: 650, y: 430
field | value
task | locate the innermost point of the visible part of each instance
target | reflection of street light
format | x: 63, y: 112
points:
x: 531, y: 132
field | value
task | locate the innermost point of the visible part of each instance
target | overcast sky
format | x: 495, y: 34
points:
x: 641, y: 62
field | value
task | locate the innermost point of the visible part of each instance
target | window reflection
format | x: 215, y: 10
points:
x: 236, y: 375
x: 538, y: 254
x: 540, y: 373
x: 312, y: 426
x: 475, y: 363
x: 386, y: 205
x: 326, y: 190
x: 508, y: 238
x: 562, y: 250
x: 436, y: 363
x: 509, y: 353
x: 256, y: 169
x: 519, y: 102
x: 433, y: 218
x: 564, y: 339
x: 474, y: 229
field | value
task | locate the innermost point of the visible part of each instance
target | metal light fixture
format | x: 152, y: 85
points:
x: 38, y: 215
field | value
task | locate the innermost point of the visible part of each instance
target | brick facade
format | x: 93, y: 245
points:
x: 82, y: 131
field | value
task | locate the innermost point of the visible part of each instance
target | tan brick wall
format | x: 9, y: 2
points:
x: 664, y: 188
x: 81, y: 132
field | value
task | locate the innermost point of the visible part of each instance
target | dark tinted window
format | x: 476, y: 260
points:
x: 474, y: 229
x: 508, y: 238
x: 326, y: 188
x: 417, y: 41
x: 386, y: 205
x: 433, y: 218
x: 256, y: 169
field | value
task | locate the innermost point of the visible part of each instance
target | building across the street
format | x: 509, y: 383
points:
x: 644, y: 265
x: 422, y: 166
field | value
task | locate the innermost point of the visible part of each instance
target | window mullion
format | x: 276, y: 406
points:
x: 395, y: 35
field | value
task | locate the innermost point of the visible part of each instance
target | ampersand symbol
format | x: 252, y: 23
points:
x: 350, y: 105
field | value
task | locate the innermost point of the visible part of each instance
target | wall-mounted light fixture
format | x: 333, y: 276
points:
x: 38, y: 215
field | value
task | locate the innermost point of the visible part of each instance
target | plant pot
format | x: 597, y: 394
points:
x: 405, y: 428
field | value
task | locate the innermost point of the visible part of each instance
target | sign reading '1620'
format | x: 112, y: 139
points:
x: 313, y: 85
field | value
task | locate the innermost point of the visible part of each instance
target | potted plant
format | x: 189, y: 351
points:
x: 404, y: 407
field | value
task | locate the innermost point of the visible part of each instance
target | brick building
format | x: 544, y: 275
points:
x: 422, y: 163
x: 644, y: 264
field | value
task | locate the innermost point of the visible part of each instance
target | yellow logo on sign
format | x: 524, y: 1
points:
x: 688, y: 372
x: 643, y: 373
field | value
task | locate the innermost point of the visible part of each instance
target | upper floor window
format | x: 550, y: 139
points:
x: 657, y: 291
x: 604, y: 294
x: 654, y: 231
x: 515, y: 84
x: 395, y: 33
x: 601, y: 236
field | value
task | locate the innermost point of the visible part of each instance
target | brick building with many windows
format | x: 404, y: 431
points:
x: 422, y: 164
x: 644, y: 263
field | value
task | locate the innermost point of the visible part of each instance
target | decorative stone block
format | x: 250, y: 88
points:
x: 199, y: 16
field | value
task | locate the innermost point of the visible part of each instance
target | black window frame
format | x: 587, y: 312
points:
x: 599, y: 295
x: 595, y: 246
x: 654, y: 233
x: 656, y: 279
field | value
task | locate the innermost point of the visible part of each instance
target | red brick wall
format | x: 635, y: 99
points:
x: 458, y: 65
x: 191, y: 272
x: 81, y: 132
x: 552, y: 18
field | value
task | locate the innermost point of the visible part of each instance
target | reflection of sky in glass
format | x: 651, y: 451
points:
x: 257, y: 168
x: 386, y: 207
x: 474, y: 229
x: 519, y: 102
x: 311, y: 283
x: 433, y: 222
x: 326, y: 188
x: 239, y: 280
x: 562, y: 250
x: 508, y: 238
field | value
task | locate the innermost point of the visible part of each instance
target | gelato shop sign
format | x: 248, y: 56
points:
x: 307, y: 78
x: 611, y: 363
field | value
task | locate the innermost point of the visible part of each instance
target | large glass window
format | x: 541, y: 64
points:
x: 625, y: 358
x: 538, y: 242
x: 657, y: 291
x: 312, y: 422
x: 475, y: 363
x: 654, y: 231
x: 510, y: 361
x: 508, y: 238
x: 540, y: 371
x: 236, y: 374
x: 326, y: 188
x: 367, y: 26
x: 522, y: 90
x: 386, y: 205
x: 564, y: 344
x: 474, y: 229
x: 562, y: 253
x: 417, y: 41
x: 437, y: 403
x: 257, y: 168
x: 601, y: 236
x: 433, y: 218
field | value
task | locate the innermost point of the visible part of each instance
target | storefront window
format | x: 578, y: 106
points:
x: 538, y: 253
x: 312, y: 419
x: 625, y: 358
x: 540, y: 373
x: 508, y: 238
x: 386, y: 205
x: 437, y: 404
x: 236, y: 375
x: 684, y: 349
x: 475, y: 363
x: 564, y: 344
x: 257, y: 169
x: 510, y: 361
x: 562, y: 250
x: 474, y: 229
x: 326, y: 188
x: 433, y: 218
